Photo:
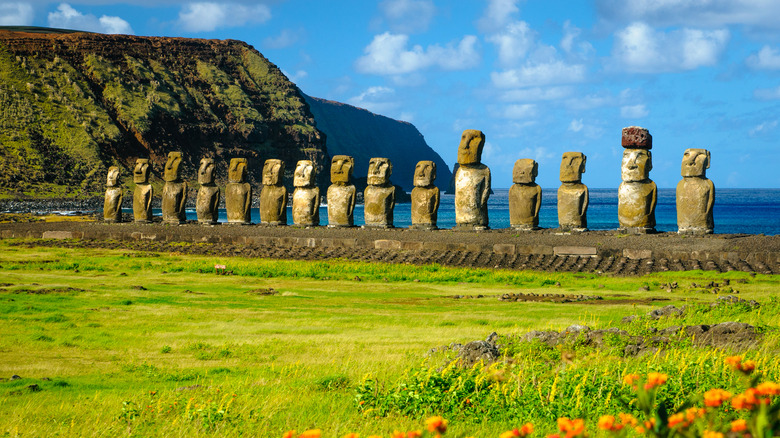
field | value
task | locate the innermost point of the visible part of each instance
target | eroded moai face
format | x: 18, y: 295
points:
x: 141, y: 171
x: 636, y: 165
x: 525, y: 171
x: 470, y: 148
x: 379, y: 171
x: 172, y: 166
x: 341, y: 169
x: 572, y: 166
x: 273, y: 171
x: 206, y: 171
x: 113, y: 176
x: 305, y: 174
x: 237, y: 170
x: 695, y: 162
x: 424, y: 174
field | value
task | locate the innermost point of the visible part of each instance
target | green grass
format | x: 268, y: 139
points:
x: 143, y: 344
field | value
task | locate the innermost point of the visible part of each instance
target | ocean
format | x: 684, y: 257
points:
x: 748, y: 211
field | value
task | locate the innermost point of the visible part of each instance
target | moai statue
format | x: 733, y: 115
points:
x: 695, y: 194
x: 273, y: 197
x: 341, y: 193
x: 306, y: 196
x: 472, y: 183
x: 425, y: 197
x: 525, y: 196
x: 142, y: 195
x: 174, y: 191
x: 379, y: 196
x: 238, y: 193
x: 637, y: 194
x: 112, y: 206
x: 573, y: 195
x: 208, y: 194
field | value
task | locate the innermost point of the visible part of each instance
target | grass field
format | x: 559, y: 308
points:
x: 124, y: 343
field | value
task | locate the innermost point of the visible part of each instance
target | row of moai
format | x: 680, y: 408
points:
x: 637, y: 195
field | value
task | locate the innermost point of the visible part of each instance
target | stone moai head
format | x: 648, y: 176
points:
x: 424, y: 173
x: 237, y: 170
x: 305, y: 173
x: 379, y: 171
x: 470, y: 148
x: 112, y: 180
x: 206, y: 171
x: 525, y: 171
x: 141, y: 171
x: 695, y: 162
x: 341, y: 167
x: 636, y: 165
x: 572, y: 166
x: 273, y: 172
x: 172, y: 167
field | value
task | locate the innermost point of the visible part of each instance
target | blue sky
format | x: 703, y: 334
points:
x: 538, y: 77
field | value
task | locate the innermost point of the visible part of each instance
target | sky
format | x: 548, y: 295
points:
x: 538, y: 77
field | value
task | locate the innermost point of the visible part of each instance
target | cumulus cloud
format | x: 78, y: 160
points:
x: 535, y: 74
x: 408, y: 16
x: 375, y: 99
x: 633, y: 111
x: 699, y: 13
x: 68, y: 18
x: 767, y: 93
x: 16, y: 14
x: 576, y: 125
x: 537, y: 93
x: 389, y: 54
x: 514, y: 42
x: 763, y: 128
x: 497, y: 14
x: 640, y: 48
x: 209, y: 16
x: 768, y: 58
x: 523, y: 111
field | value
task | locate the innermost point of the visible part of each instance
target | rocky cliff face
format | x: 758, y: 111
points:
x: 72, y: 104
x: 364, y: 135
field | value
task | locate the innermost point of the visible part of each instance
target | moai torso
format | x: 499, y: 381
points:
x: 472, y: 183
x: 273, y: 198
x: 573, y: 195
x: 306, y: 196
x: 695, y: 194
x: 142, y: 195
x: 525, y: 196
x: 379, y: 196
x: 112, y: 206
x: 238, y: 193
x: 425, y: 196
x: 341, y: 193
x: 174, y: 191
x: 208, y: 194
x: 637, y: 194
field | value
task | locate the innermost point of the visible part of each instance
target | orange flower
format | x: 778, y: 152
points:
x: 398, y: 434
x: 312, y: 433
x: 738, y: 425
x: 524, y: 431
x: 747, y: 400
x: 554, y: 435
x: 627, y: 419
x: 655, y: 379
x: 716, y: 397
x: 374, y: 436
x: 353, y: 435
x: 676, y: 419
x: 734, y: 361
x: 527, y: 429
x: 607, y: 422
x: 768, y: 388
x: 712, y: 434
x: 691, y: 414
x: 629, y: 379
x: 510, y: 434
x: 572, y: 428
x: 413, y: 434
x: 436, y: 424
x: 289, y: 434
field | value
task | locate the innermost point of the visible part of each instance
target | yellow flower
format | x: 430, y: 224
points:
x: 712, y: 434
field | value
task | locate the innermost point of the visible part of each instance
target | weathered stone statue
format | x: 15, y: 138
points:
x: 238, y: 193
x: 573, y: 195
x: 142, y: 195
x: 174, y: 191
x: 306, y: 196
x: 425, y: 197
x: 472, y: 183
x: 208, y: 194
x: 273, y: 197
x: 112, y: 206
x: 637, y: 194
x: 695, y: 194
x: 379, y: 196
x: 525, y: 196
x: 341, y: 193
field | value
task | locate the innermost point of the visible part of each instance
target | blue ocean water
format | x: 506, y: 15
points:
x: 750, y: 211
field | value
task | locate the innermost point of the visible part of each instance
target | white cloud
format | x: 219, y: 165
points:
x: 68, y: 18
x: 286, y: 38
x: 408, y: 16
x: 16, y: 14
x: 294, y: 78
x: 209, y: 16
x: 576, y: 125
x: 571, y: 45
x: 764, y: 128
x: 513, y: 42
x: 537, y: 93
x: 388, y: 54
x: 523, y: 111
x: 768, y: 58
x: 497, y: 15
x: 633, y: 111
x: 640, y: 48
x: 535, y: 74
x: 699, y: 13
x: 375, y: 99
x: 767, y: 93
